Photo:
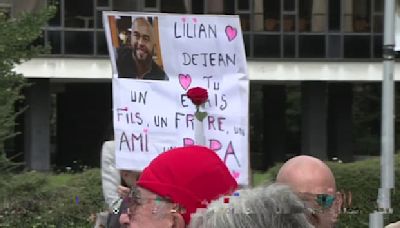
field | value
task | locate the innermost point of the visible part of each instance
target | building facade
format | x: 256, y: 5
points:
x: 305, y: 58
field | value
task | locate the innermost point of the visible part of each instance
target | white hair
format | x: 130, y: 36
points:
x: 271, y: 206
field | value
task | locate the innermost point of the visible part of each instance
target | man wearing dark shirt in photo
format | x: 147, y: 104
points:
x: 136, y: 61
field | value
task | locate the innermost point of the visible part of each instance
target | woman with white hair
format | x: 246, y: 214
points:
x: 271, y: 206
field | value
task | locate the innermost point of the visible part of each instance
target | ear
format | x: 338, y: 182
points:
x: 338, y: 204
x: 179, y: 222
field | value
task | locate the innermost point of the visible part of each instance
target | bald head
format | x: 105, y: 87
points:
x: 307, y: 174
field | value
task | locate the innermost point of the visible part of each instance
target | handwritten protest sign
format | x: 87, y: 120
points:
x: 170, y: 54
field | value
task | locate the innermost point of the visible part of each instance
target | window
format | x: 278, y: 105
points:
x: 79, y: 14
x: 271, y: 28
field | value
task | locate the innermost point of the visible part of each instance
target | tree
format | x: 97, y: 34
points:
x: 17, y: 36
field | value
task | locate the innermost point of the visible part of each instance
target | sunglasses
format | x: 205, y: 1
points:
x: 325, y: 200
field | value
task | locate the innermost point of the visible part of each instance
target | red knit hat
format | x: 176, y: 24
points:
x: 189, y: 176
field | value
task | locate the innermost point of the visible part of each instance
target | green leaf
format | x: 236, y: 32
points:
x: 200, y: 115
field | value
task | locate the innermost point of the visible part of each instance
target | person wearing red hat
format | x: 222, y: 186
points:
x: 176, y: 184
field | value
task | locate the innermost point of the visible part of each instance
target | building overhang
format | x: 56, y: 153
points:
x: 84, y: 69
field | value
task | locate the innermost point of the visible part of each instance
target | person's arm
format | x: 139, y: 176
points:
x: 110, y: 177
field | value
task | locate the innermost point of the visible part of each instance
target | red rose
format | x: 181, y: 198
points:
x: 197, y: 95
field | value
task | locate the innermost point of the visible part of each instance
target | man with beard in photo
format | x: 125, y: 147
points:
x: 136, y: 61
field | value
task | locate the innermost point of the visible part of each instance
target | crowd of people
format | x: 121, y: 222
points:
x: 192, y: 187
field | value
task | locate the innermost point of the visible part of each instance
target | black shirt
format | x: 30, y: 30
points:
x: 126, y: 66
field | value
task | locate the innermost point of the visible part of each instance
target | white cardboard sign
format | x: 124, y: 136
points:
x: 150, y: 108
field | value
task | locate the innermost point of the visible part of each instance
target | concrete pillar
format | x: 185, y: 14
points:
x: 314, y: 119
x: 318, y: 20
x: 37, y: 125
x: 259, y: 15
x: 274, y: 123
x: 340, y: 124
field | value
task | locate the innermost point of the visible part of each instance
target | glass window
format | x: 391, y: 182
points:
x: 150, y: 3
x: 99, y: 18
x: 124, y: 5
x: 334, y: 16
x: 289, y: 23
x: 379, y: 6
x: 173, y: 6
x: 357, y: 47
x: 54, y: 40
x: 272, y: 15
x: 103, y: 3
x: 288, y: 5
x: 56, y: 20
x: 101, y: 44
x: 246, y: 40
x: 289, y: 46
x: 245, y: 22
x: 311, y: 46
x: 267, y: 46
x: 229, y: 6
x: 378, y: 23
x: 243, y: 4
x: 334, y: 47
x: 313, y: 13
x: 198, y: 6
x: 79, y: 14
x: 79, y: 42
x: 378, y: 45
x: 361, y: 17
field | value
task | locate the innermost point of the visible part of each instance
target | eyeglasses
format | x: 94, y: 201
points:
x: 325, y: 201
x: 135, y: 198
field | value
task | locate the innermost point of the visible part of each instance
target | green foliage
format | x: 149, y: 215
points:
x: 16, y: 45
x: 362, y: 179
x: 41, y: 200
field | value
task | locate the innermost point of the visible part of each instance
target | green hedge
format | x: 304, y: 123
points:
x: 35, y: 199
x: 41, y: 200
x: 362, y: 179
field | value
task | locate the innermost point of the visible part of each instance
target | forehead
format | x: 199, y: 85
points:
x: 312, y: 183
x: 145, y: 193
x: 142, y: 26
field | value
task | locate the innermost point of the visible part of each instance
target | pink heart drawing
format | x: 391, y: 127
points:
x: 194, y: 20
x: 215, y: 145
x: 235, y: 174
x: 188, y: 142
x: 230, y: 32
x: 145, y: 130
x: 183, y: 19
x: 185, y: 80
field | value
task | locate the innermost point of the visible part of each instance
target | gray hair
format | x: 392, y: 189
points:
x: 271, y: 206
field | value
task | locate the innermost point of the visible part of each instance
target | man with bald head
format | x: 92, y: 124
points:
x: 136, y: 60
x: 314, y: 182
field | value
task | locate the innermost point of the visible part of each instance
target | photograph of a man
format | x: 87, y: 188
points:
x: 136, y: 60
